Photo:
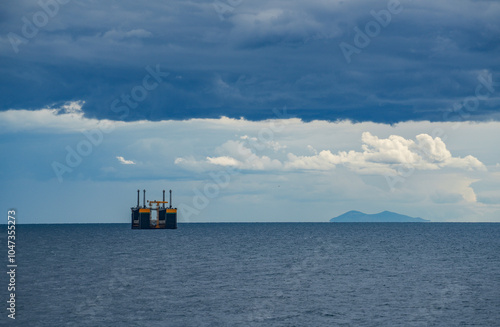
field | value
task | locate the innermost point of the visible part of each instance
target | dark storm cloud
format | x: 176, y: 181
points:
x: 244, y: 58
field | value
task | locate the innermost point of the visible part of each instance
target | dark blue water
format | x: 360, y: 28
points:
x: 257, y: 275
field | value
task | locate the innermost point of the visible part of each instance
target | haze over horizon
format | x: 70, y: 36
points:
x: 250, y: 110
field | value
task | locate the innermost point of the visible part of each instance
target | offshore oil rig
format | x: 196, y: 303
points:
x: 157, y: 217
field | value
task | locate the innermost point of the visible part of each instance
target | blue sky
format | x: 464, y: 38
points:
x: 250, y: 110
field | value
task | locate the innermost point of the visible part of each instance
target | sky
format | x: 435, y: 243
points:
x: 250, y: 111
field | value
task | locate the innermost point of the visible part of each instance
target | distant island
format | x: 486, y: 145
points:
x: 382, y: 217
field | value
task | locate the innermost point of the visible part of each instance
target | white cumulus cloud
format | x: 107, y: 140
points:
x: 124, y: 161
x: 386, y: 155
x: 378, y: 156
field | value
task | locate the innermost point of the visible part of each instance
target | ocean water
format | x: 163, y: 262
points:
x: 276, y: 274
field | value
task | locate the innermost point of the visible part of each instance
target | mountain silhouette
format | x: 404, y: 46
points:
x: 382, y: 217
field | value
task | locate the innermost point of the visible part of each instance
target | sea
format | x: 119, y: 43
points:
x: 256, y: 274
